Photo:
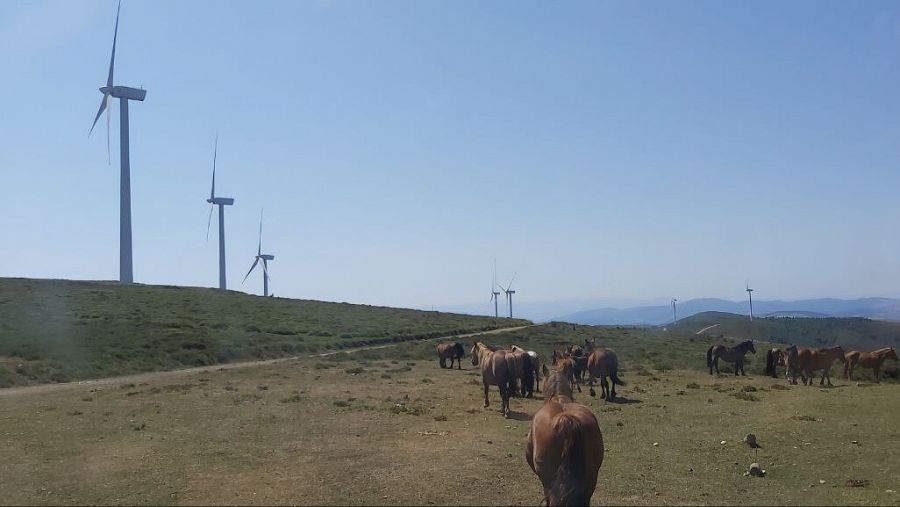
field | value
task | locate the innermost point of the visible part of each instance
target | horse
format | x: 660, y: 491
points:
x: 495, y: 371
x: 774, y: 358
x: 566, y: 364
x: 535, y: 363
x: 564, y: 446
x: 731, y: 354
x: 604, y: 363
x: 522, y: 368
x: 872, y: 360
x: 453, y: 351
x: 790, y: 363
x: 810, y: 360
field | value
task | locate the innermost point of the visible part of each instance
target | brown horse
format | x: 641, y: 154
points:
x: 810, y: 360
x: 730, y: 354
x: 775, y: 358
x: 564, y: 446
x: 604, y: 363
x: 521, y: 382
x: 565, y: 364
x: 453, y: 351
x: 871, y: 360
x: 495, y: 371
x: 535, y: 366
x: 791, y: 365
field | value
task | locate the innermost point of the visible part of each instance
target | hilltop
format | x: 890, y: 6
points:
x: 653, y: 315
x: 58, y: 330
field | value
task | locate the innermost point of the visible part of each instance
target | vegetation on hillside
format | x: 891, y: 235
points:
x: 58, y: 331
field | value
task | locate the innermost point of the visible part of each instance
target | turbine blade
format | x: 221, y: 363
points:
x: 255, y: 262
x: 212, y: 192
x: 209, y: 221
x: 108, y: 116
x: 99, y: 112
x: 511, y: 280
x: 112, y: 58
x: 259, y: 248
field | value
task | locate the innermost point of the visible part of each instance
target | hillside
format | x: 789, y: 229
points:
x: 872, y: 308
x: 58, y: 331
x: 850, y: 333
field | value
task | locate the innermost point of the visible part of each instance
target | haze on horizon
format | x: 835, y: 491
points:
x: 601, y: 150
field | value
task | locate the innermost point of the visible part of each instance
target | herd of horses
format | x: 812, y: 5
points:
x: 802, y: 361
x: 564, y: 446
x: 564, y: 443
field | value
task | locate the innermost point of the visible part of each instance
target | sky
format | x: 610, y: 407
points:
x: 616, y: 151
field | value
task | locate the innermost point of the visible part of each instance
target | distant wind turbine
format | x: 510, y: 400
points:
x: 221, y: 202
x: 674, y: 311
x: 509, y: 294
x: 124, y: 94
x: 495, y: 294
x: 750, y: 295
x: 265, y: 258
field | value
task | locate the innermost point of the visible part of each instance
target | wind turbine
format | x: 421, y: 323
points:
x: 124, y: 94
x: 674, y: 311
x: 509, y: 293
x: 221, y: 202
x: 265, y: 258
x: 750, y: 295
x: 495, y: 294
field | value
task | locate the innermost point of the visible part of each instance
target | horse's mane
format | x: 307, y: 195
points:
x: 556, y: 384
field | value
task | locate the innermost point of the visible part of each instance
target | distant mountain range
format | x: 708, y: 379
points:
x: 871, y: 308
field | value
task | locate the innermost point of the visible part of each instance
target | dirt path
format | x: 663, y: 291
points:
x: 156, y: 375
x: 707, y: 328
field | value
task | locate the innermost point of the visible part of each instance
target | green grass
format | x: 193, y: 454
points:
x: 58, y: 331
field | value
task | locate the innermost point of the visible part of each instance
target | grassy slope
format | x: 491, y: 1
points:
x: 57, y: 331
x: 378, y: 428
x: 850, y: 333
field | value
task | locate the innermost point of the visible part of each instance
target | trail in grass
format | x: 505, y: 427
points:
x: 155, y: 375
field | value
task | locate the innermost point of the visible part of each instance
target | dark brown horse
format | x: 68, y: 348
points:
x: 871, y: 360
x: 564, y: 446
x: 495, y: 371
x: 453, y: 351
x: 521, y: 381
x: 566, y: 365
x: 810, y: 360
x: 603, y: 363
x: 535, y: 366
x: 730, y: 354
x: 775, y: 358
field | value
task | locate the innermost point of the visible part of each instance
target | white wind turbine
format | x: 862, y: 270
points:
x: 221, y: 202
x: 124, y: 94
x: 265, y: 258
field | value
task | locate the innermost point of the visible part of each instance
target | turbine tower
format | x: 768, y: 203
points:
x: 509, y: 293
x: 750, y: 295
x: 674, y: 311
x: 265, y: 258
x: 124, y: 94
x: 221, y: 202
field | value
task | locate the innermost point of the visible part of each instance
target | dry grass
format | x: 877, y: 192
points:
x: 321, y: 435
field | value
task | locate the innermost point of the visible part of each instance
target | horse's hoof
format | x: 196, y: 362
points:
x: 592, y: 393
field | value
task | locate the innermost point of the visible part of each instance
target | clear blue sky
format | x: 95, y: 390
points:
x: 599, y: 149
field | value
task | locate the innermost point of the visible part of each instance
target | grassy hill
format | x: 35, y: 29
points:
x: 58, y: 331
x: 850, y: 333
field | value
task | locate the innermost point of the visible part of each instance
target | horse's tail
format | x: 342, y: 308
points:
x: 569, y: 486
x: 770, y: 363
x: 615, y: 378
x: 528, y: 370
x: 709, y: 357
x: 460, y: 351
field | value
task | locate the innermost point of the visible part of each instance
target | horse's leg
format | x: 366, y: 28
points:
x: 604, y: 388
x: 612, y: 394
x: 877, y: 372
x: 504, y: 395
x: 716, y: 363
x: 486, y: 389
x: 591, y: 385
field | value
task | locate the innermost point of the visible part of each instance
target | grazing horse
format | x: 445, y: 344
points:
x: 872, y: 360
x: 731, y: 354
x: 495, y: 371
x: 810, y: 360
x: 604, y: 363
x: 453, y: 351
x: 774, y: 359
x: 564, y: 446
x: 535, y: 363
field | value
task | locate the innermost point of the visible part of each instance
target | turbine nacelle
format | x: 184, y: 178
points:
x: 124, y: 92
x: 266, y: 257
x: 223, y: 201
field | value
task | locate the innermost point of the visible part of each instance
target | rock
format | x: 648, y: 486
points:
x: 821, y: 481
x: 655, y: 444
x: 723, y: 442
x: 750, y: 440
x: 854, y: 442
x: 756, y: 470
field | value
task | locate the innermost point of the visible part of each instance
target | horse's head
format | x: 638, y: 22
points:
x: 589, y: 345
x: 557, y: 383
x: 838, y: 352
x: 750, y: 346
x: 475, y: 354
x: 891, y: 354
